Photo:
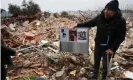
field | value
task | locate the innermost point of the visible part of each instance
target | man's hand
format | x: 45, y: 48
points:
x: 109, y: 51
x: 75, y: 26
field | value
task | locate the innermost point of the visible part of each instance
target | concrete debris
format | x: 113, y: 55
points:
x: 12, y: 27
x: 83, y: 78
x: 111, y: 78
x: 43, y: 42
x: 82, y: 71
x: 115, y: 64
x: 73, y: 58
x: 73, y: 73
x: 26, y: 23
x: 127, y: 74
x: 29, y: 34
x: 59, y: 73
x: 37, y: 41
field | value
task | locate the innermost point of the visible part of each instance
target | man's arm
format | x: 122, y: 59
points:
x: 120, y: 36
x: 7, y: 51
x: 90, y: 23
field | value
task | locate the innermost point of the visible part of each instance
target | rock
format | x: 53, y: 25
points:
x: 29, y: 34
x: 43, y: 43
x: 111, y: 78
x: 73, y: 58
x: 7, y: 78
x: 83, y: 78
x: 26, y: 63
x: 60, y: 73
x: 115, y: 63
x: 26, y: 23
x: 73, y: 73
x: 131, y: 35
x: 56, y: 43
x: 71, y: 66
x: 33, y: 41
x: 33, y: 31
x: 12, y: 27
x: 127, y: 74
x: 38, y: 23
x: 35, y: 23
x: 82, y: 71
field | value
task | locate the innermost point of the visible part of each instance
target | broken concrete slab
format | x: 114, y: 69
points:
x: 60, y: 75
x: 26, y: 23
x: 82, y: 71
x: 127, y: 74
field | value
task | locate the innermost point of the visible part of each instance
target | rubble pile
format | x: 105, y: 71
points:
x: 38, y: 45
x: 37, y: 30
x: 46, y: 63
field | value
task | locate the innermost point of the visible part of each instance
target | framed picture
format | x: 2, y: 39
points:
x: 74, y: 40
x: 64, y: 35
x: 72, y: 35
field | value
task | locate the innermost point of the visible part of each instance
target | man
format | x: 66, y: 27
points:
x: 111, y: 30
x: 6, y: 53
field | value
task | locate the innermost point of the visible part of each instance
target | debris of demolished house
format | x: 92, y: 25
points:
x: 37, y: 43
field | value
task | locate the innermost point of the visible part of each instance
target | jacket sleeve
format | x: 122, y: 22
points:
x: 89, y: 24
x: 6, y: 51
x: 120, y: 36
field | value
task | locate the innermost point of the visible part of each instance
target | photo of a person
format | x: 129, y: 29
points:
x: 63, y: 33
x: 72, y: 35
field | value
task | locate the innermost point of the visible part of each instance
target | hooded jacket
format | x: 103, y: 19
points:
x: 109, y: 31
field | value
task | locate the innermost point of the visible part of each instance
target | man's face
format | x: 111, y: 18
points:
x: 108, y: 13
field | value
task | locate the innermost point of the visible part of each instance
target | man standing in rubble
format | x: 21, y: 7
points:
x: 111, y: 30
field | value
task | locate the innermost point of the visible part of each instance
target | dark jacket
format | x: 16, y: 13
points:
x: 111, y: 32
x: 6, y: 53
